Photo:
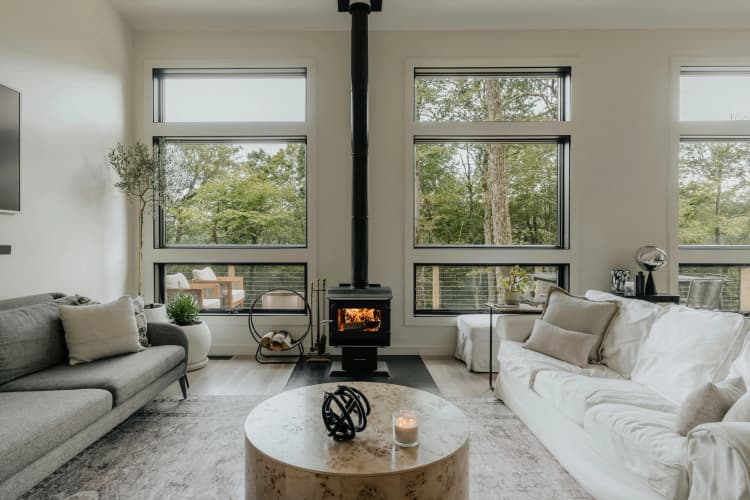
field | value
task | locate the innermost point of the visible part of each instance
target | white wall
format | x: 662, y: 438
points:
x: 621, y: 150
x: 71, y: 61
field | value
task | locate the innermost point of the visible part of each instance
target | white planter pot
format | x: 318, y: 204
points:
x: 199, y: 343
x: 156, y: 313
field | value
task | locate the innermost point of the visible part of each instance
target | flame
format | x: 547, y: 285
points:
x: 365, y: 319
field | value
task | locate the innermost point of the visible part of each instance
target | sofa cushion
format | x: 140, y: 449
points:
x: 574, y: 394
x: 31, y: 339
x: 627, y: 330
x: 645, y: 442
x: 34, y: 423
x: 123, y: 376
x: 524, y: 364
x: 565, y: 345
x: 579, y: 314
x: 29, y: 300
x: 741, y: 365
x: 687, y: 348
x: 708, y: 403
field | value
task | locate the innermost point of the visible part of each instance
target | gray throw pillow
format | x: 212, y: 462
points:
x: 581, y: 315
x: 571, y: 347
x: 31, y: 339
x: 708, y: 403
x: 740, y: 411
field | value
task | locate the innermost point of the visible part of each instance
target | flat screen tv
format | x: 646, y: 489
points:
x: 10, y: 150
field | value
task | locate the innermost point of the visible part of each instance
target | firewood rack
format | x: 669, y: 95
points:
x: 256, y: 311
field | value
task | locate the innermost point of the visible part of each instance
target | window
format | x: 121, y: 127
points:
x: 233, y: 220
x: 491, y: 161
x: 725, y: 287
x: 242, y: 192
x: 225, y: 95
x: 714, y: 93
x: 460, y: 288
x: 714, y: 191
x: 497, y: 192
x: 235, y: 287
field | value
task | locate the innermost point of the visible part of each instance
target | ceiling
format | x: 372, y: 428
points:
x: 266, y: 15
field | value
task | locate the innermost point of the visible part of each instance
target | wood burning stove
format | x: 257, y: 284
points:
x: 360, y: 312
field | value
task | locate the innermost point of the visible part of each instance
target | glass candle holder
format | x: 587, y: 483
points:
x: 406, y: 428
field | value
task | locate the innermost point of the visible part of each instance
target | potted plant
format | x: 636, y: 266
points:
x: 183, y: 311
x: 139, y: 169
x: 515, y: 285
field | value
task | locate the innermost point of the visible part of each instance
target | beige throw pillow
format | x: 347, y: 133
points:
x: 100, y: 330
x: 581, y: 315
x: 740, y: 411
x: 571, y: 347
x: 708, y: 403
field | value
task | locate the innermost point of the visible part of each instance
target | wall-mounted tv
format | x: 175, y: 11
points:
x: 10, y: 150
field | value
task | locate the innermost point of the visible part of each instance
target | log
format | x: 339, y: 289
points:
x: 281, y: 341
x: 265, y: 341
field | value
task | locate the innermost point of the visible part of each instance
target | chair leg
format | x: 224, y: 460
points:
x: 187, y: 382
x: 183, y: 386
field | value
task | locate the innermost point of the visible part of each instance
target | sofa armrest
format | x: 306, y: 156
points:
x: 516, y: 327
x: 719, y: 461
x: 167, y: 334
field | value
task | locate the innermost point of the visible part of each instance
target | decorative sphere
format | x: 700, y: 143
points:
x: 650, y: 258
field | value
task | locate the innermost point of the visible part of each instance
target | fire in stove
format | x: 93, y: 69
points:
x: 363, y: 319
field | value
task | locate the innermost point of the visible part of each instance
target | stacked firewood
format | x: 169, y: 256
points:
x: 276, y: 340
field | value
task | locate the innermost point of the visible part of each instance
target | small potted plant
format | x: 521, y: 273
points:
x: 183, y: 311
x: 515, y: 285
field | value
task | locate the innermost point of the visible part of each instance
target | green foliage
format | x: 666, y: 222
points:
x: 715, y: 193
x: 183, y: 310
x: 517, y: 280
x: 229, y: 195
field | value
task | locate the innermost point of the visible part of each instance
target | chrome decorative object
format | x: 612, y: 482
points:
x: 650, y: 258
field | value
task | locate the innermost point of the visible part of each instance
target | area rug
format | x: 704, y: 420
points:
x: 194, y: 449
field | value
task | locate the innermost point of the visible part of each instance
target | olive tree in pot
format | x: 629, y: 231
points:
x: 140, y: 170
x: 183, y: 311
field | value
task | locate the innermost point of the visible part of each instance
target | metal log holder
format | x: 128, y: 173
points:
x: 267, y: 359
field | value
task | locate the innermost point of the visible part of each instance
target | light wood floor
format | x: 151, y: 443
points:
x: 243, y: 375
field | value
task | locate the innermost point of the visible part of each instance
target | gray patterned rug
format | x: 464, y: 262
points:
x: 173, y: 449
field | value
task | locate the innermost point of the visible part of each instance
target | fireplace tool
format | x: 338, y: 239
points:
x: 317, y: 353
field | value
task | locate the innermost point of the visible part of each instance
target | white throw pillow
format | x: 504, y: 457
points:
x: 741, y: 365
x: 178, y: 281
x: 100, y: 331
x: 626, y: 332
x: 205, y: 274
x: 686, y: 348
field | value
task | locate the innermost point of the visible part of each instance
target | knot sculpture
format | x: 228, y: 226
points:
x: 338, y: 409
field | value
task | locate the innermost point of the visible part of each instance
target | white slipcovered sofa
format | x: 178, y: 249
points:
x: 611, y: 425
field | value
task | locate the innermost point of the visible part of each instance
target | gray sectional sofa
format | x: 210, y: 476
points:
x: 50, y: 411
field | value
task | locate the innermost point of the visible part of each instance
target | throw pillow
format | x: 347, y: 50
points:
x: 139, y: 309
x: 708, y: 403
x: 580, y: 315
x: 99, y: 331
x: 205, y: 274
x: 176, y: 281
x: 740, y: 411
x: 626, y: 332
x: 569, y: 346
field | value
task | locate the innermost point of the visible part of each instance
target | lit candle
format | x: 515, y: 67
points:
x: 405, y: 428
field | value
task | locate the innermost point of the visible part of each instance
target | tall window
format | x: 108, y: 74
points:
x: 491, y: 149
x: 714, y: 186
x: 236, y: 140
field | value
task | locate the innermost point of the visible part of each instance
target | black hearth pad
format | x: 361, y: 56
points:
x: 405, y: 370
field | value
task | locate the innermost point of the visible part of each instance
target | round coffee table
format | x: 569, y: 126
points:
x: 288, y: 453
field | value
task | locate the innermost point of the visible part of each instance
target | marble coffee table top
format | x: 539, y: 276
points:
x: 289, y: 428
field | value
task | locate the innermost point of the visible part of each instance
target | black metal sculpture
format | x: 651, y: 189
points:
x: 338, y: 408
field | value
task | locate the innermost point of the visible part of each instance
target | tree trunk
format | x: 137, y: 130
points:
x: 141, y: 211
x: 717, y: 208
x: 497, y: 177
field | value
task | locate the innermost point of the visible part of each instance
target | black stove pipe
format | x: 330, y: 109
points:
x: 359, y: 69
